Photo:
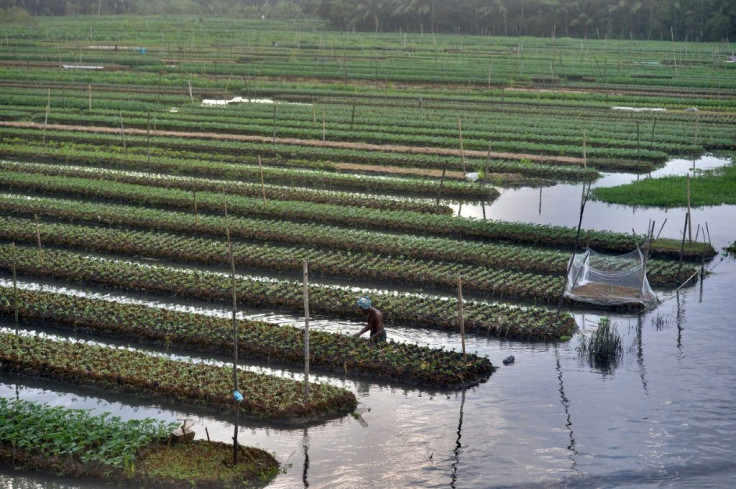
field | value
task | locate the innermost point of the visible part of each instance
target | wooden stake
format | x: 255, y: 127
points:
x: 122, y: 133
x: 235, y: 337
x: 654, y: 125
x: 89, y: 90
x: 15, y: 288
x: 274, y: 124
x: 191, y: 96
x: 460, y: 132
x: 46, y: 121
x: 148, y: 136
x: 638, y: 143
x: 352, y: 117
x: 323, y: 124
x: 585, y: 149
x: 442, y: 181
x: 488, y: 164
x: 689, y: 216
x: 460, y: 312
x: 682, y: 244
x: 38, y: 240
x: 196, y: 215
x: 314, y: 113
x: 263, y: 187
x: 306, y: 329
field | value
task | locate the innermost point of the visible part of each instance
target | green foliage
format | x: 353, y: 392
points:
x: 710, y: 187
x: 406, y: 363
x: 75, y: 433
x: 266, y: 397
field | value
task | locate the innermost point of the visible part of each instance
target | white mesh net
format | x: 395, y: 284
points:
x: 606, y: 280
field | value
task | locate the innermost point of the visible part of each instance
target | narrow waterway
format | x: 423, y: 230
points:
x: 662, y: 417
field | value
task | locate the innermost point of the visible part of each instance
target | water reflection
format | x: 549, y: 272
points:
x: 458, y: 446
x: 568, y: 417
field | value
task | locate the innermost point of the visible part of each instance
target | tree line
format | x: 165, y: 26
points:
x: 693, y: 20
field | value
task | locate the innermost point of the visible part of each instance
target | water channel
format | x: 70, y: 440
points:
x: 664, y: 417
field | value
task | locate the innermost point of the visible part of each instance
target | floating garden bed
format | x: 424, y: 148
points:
x: 266, y: 398
x: 406, y: 363
x: 73, y: 442
x: 534, y: 323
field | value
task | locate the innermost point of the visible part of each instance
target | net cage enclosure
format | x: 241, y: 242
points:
x: 609, y: 280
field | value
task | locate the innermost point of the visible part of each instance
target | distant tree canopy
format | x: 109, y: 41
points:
x: 706, y: 20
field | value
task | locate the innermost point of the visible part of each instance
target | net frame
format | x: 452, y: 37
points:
x: 609, y: 280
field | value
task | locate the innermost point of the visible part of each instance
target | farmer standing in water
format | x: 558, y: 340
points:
x: 375, y: 320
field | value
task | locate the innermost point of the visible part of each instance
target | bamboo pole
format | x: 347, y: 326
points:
x: 682, y: 244
x: 89, y: 91
x: 460, y: 313
x: 274, y: 124
x: 585, y: 149
x: 38, y: 240
x: 306, y: 329
x: 122, y: 133
x: 488, y: 164
x: 352, y: 117
x: 460, y: 132
x: 148, y: 135
x: 638, y: 143
x: 46, y: 120
x: 235, y: 337
x: 442, y: 181
x: 15, y: 288
x: 263, y: 186
x: 323, y: 124
x: 689, y: 216
x: 654, y: 125
x: 196, y: 214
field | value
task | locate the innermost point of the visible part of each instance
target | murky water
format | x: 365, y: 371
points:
x: 663, y: 417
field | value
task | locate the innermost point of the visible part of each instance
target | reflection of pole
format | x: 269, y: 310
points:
x: 458, y: 445
x: 305, y: 447
x: 540, y: 201
x: 640, y: 352
x: 566, y: 406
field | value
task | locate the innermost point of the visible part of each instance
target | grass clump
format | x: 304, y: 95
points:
x: 603, y: 349
x: 710, y: 187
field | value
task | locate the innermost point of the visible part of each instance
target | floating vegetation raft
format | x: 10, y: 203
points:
x: 75, y: 442
x: 267, y: 398
x: 406, y: 363
x: 531, y: 323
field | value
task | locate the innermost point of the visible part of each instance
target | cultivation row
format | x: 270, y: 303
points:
x: 532, y: 323
x: 268, y: 398
x: 406, y: 222
x: 499, y: 280
x: 270, y: 192
x: 170, y: 148
x: 505, y: 132
x: 342, y: 266
x: 271, y: 175
x: 384, y: 135
x: 405, y: 363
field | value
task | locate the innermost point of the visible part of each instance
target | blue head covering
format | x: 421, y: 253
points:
x: 364, y: 303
